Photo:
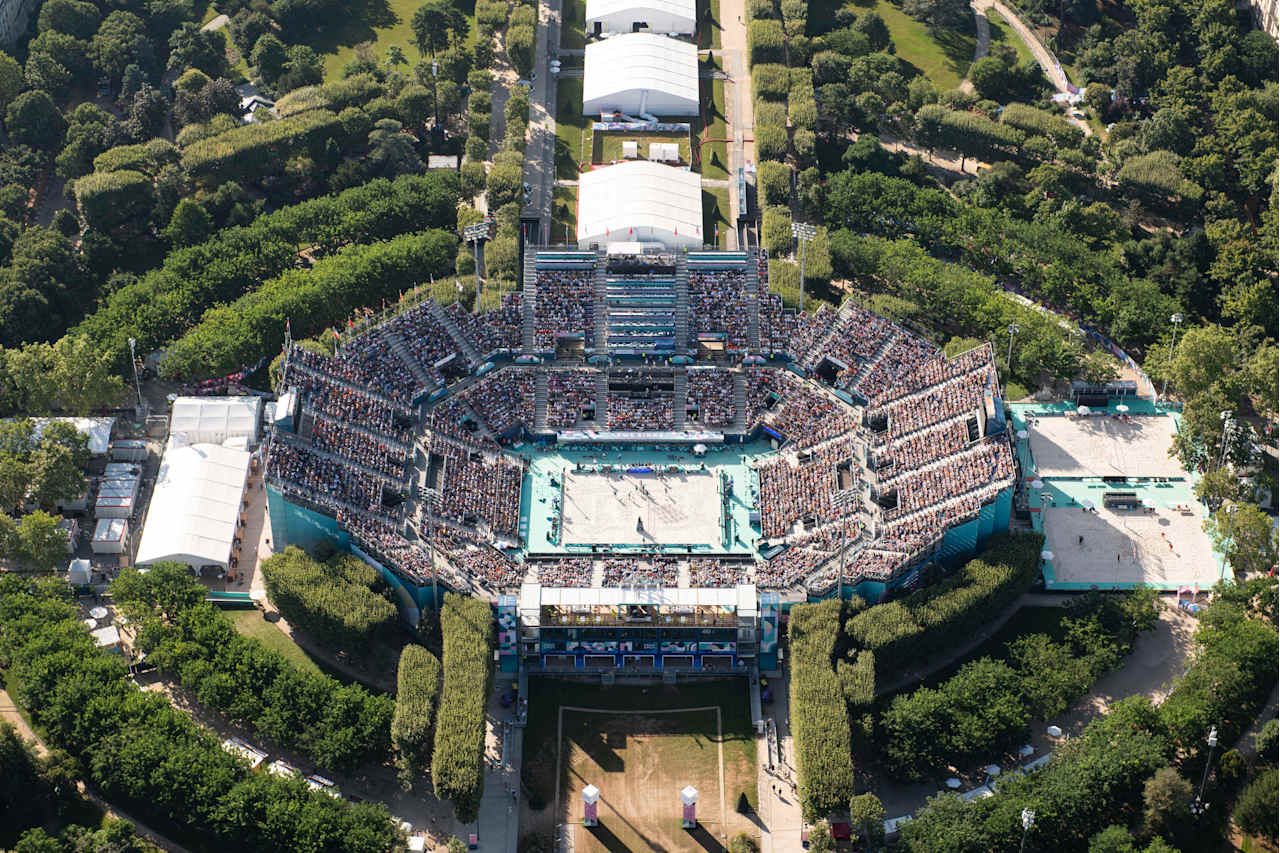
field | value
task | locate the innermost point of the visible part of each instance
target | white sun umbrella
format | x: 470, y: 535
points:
x: 1054, y: 731
x: 993, y: 769
x: 1026, y: 750
x: 954, y: 783
x: 1122, y: 408
x: 1046, y: 555
x: 1037, y: 483
x: 98, y: 613
x: 1022, y: 433
x: 91, y: 624
x: 1082, y: 410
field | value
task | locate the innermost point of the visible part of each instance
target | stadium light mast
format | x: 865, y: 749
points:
x: 1028, y: 821
x: 476, y: 234
x: 1175, y: 319
x: 133, y: 360
x: 804, y: 233
x: 1198, y: 807
x: 1014, y: 328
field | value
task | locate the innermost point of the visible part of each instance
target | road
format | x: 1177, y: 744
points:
x: 738, y: 108
x: 540, y: 150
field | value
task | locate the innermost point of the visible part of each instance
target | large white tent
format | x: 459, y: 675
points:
x: 195, y: 507
x: 96, y: 430
x: 640, y: 202
x: 641, y: 74
x: 624, y: 16
x: 215, y: 420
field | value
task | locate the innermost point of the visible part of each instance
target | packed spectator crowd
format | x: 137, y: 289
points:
x: 570, y: 571
x: 960, y: 394
x: 350, y: 442
x: 376, y: 362
x: 504, y: 399
x: 810, y: 331
x: 498, y: 329
x: 318, y: 479
x: 329, y: 388
x: 884, y: 377
x: 797, y: 489
x: 708, y: 571
x: 657, y: 571
x: 808, y: 417
x: 656, y: 412
x: 568, y: 393
x: 718, y: 302
x: 711, y: 393
x: 789, y: 568
x: 777, y: 324
x: 477, y: 488
x: 762, y: 391
x: 380, y: 539
x: 856, y: 337
x: 564, y: 305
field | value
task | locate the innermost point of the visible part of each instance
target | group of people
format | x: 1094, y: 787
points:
x: 923, y: 446
x: 568, y: 393
x: 641, y: 413
x: 497, y: 329
x: 476, y: 488
x: 373, y: 357
x: 718, y: 302
x: 328, y: 388
x: 570, y: 571
x: 322, y: 480
x: 376, y: 454
x: 987, y: 464
x: 810, y: 331
x: 808, y: 417
x: 777, y: 324
x: 710, y: 392
x: 425, y: 338
x: 888, y: 372
x: 953, y: 396
x: 708, y: 571
x: 656, y: 571
x: 564, y: 304
x: 801, y: 492
x: 504, y: 399
x: 381, y: 538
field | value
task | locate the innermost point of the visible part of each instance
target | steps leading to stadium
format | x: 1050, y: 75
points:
x: 530, y: 301
x: 464, y: 346
x: 680, y: 386
x: 398, y: 346
x: 815, y: 355
x: 739, y: 403
x: 540, y: 401
x: 682, y: 302
x: 600, y: 291
x: 753, y: 306
x: 602, y: 400
x: 870, y: 364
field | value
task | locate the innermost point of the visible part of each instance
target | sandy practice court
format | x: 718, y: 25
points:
x: 1104, y: 447
x: 601, y: 508
x: 1182, y: 555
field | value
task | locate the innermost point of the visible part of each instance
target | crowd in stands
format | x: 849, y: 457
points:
x: 498, y: 329
x: 641, y: 413
x: 347, y: 441
x: 794, y: 490
x: 807, y: 417
x: 568, y: 393
x: 762, y: 389
x: 322, y: 480
x: 467, y: 555
x: 376, y: 362
x: 954, y: 396
x: 903, y: 358
x: 810, y: 331
x: 987, y: 464
x: 564, y: 305
x: 329, y: 388
x: 707, y: 571
x: 830, y: 538
x: 450, y: 418
x: 477, y: 488
x: 789, y: 568
x: 424, y: 337
x: 718, y: 302
x: 380, y: 538
x: 504, y: 399
x: 658, y: 571
x: 857, y: 336
x: 711, y: 392
x: 922, y: 447
x: 570, y: 571
x: 777, y: 324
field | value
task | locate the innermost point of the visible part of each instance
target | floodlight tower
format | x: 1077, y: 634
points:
x: 804, y: 233
x: 476, y: 234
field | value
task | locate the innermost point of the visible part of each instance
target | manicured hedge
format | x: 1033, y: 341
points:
x: 765, y: 42
x: 858, y: 679
x: 334, y: 601
x: 417, y: 690
x: 109, y: 199
x: 354, y: 91
x: 1043, y: 123
x: 457, y: 761
x: 250, y: 152
x: 771, y: 142
x: 1158, y: 173
x: 819, y: 715
x: 147, y: 157
x: 774, y: 183
x: 770, y: 81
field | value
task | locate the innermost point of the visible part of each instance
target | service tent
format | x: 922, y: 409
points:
x: 641, y: 74
x: 195, y: 506
x: 213, y: 420
x: 624, y: 16
x: 640, y: 201
x: 96, y: 430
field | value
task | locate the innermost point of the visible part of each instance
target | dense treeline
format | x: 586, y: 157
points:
x: 457, y: 759
x: 153, y: 760
x: 1097, y: 779
x: 334, y: 601
x: 417, y: 689
x: 983, y: 709
x: 338, y: 727
x: 253, y: 326
x: 819, y: 716
x: 165, y: 302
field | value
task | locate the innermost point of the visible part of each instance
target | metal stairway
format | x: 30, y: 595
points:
x: 682, y: 303
x: 530, y: 302
x: 600, y: 326
x: 739, y: 402
x: 464, y: 346
x: 398, y: 346
x: 753, y: 305
x: 679, y: 405
x: 540, y: 401
x: 602, y: 399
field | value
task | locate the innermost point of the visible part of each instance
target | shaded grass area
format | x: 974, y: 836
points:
x: 251, y: 624
x: 606, y: 146
x: 564, y: 214
x: 571, y: 126
x: 573, y: 24
x: 714, y: 154
x: 715, y: 215
x: 709, y: 29
x: 944, y: 57
x: 1002, y: 33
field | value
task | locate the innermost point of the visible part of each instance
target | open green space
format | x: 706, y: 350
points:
x: 709, y: 26
x: 1002, y: 33
x: 944, y: 57
x: 573, y: 24
x: 252, y: 624
x: 715, y: 215
x: 713, y: 133
x: 571, y: 128
x: 606, y: 146
x: 564, y: 214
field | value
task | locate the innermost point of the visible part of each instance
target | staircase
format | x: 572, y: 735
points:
x: 753, y: 305
x: 481, y: 423
x: 680, y: 384
x: 867, y: 366
x: 398, y: 346
x: 530, y: 302
x: 739, y: 403
x: 813, y: 356
x: 599, y: 289
x: 682, y: 303
x: 540, y: 401
x: 602, y: 400
x: 464, y: 346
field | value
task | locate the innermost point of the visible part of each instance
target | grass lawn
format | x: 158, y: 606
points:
x: 606, y: 146
x: 944, y: 59
x: 709, y: 31
x: 564, y: 214
x: 1002, y: 33
x: 573, y: 24
x: 251, y: 624
x: 571, y: 127
x: 714, y: 155
x: 715, y: 214
x: 640, y: 761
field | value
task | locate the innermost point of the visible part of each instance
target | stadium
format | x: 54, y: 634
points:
x: 640, y: 457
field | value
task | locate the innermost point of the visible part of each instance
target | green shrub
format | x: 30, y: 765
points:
x: 773, y: 182
x: 354, y: 91
x: 417, y: 689
x: 110, y: 199
x: 765, y: 42
x: 1158, y: 173
x: 249, y: 153
x: 761, y: 10
x: 771, y: 142
x: 770, y: 112
x: 770, y: 82
x: 803, y: 112
x: 457, y: 769
x: 819, y: 716
x: 776, y: 229
x: 1034, y: 121
x: 148, y: 157
x: 1256, y: 811
x: 520, y: 48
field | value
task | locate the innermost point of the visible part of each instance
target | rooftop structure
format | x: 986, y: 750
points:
x: 641, y: 74
x: 625, y: 16
x: 640, y: 202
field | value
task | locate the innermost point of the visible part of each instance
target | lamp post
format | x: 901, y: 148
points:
x: 1028, y: 821
x: 1228, y: 427
x: 435, y: 98
x: 804, y: 233
x: 1175, y: 319
x: 1008, y: 359
x: 1198, y: 807
x: 133, y: 360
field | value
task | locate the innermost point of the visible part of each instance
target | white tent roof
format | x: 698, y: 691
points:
x: 638, y: 201
x: 640, y: 61
x: 642, y: 10
x: 213, y: 420
x: 98, y: 430
x: 195, y: 506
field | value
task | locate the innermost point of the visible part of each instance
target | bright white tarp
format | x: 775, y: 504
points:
x: 640, y: 201
x: 195, y: 506
x: 641, y: 73
x: 660, y: 16
x: 213, y: 420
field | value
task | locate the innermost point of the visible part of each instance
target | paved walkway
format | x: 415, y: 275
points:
x: 539, y: 155
x: 779, y: 810
x: 498, y: 827
x: 504, y: 77
x: 738, y: 108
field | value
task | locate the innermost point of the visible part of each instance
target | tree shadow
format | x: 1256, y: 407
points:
x: 601, y: 747
x: 356, y: 26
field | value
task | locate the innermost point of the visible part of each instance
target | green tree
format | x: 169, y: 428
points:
x: 866, y: 816
x: 417, y: 689
x: 1246, y: 535
x: 10, y: 80
x: 72, y: 17
x: 1256, y: 810
x: 120, y: 41
x: 1219, y: 485
x: 1266, y: 742
x: 268, y: 57
x: 1113, y: 839
x: 55, y: 476
x: 15, y: 479
x: 1166, y: 801
x: 39, y: 543
x: 190, y: 224
x: 33, y: 119
x: 434, y: 22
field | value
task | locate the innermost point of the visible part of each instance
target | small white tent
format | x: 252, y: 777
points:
x: 625, y: 16
x: 214, y: 420
x: 640, y: 201
x: 195, y: 508
x: 641, y: 74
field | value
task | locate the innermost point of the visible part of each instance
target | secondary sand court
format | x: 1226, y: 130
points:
x: 602, y: 508
x: 1164, y: 547
x: 1070, y: 446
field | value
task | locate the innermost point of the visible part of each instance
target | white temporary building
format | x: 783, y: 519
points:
x: 110, y: 535
x: 96, y: 430
x: 625, y: 16
x: 195, y: 507
x: 640, y: 201
x: 641, y: 74
x: 215, y: 420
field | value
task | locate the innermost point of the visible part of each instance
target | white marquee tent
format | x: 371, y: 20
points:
x: 195, y: 506
x: 641, y: 74
x: 96, y: 430
x: 215, y: 420
x: 640, y: 202
x: 623, y: 16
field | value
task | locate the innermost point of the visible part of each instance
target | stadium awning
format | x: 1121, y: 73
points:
x: 195, y: 506
x: 662, y: 16
x: 640, y: 201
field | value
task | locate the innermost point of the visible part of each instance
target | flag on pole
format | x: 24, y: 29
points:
x: 336, y: 336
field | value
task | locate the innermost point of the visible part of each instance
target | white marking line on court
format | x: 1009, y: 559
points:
x: 724, y: 818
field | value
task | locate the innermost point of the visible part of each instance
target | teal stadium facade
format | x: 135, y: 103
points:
x: 641, y: 459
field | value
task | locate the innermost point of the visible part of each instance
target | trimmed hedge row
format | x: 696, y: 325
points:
x: 457, y: 768
x: 858, y: 679
x: 417, y: 690
x: 333, y: 601
x: 147, y: 157
x: 354, y: 91
x: 1042, y: 123
x: 243, y: 153
x: 109, y: 199
x: 819, y: 714
x: 1158, y: 173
